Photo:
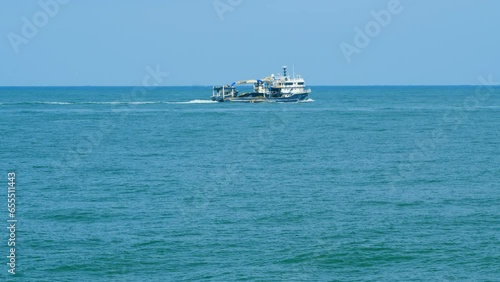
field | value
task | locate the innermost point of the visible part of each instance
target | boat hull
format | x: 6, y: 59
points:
x: 260, y: 99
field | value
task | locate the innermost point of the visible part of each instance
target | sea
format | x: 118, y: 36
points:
x: 373, y: 183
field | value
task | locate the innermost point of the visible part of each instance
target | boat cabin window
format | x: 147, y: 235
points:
x: 301, y: 83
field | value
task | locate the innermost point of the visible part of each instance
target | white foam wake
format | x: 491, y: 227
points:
x: 116, y: 102
x: 54, y: 103
x: 122, y: 103
x: 99, y: 103
x: 197, y: 102
x: 308, y: 100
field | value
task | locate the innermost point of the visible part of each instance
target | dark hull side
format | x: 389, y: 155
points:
x: 260, y: 99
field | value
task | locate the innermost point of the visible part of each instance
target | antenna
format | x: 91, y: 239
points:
x: 284, y: 71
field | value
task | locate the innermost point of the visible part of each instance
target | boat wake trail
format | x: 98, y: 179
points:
x: 111, y: 103
x: 51, y: 103
x: 308, y: 100
x: 97, y: 103
x: 196, y: 102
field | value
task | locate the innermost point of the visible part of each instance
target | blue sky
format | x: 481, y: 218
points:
x: 205, y: 42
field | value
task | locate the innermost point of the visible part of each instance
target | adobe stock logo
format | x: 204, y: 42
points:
x: 222, y: 7
x: 48, y: 9
x: 372, y: 29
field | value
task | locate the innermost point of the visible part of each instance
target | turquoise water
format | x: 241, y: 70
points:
x: 363, y: 183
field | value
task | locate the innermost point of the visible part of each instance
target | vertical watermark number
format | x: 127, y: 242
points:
x: 11, y: 222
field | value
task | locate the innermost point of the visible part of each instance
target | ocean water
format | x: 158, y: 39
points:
x: 358, y: 184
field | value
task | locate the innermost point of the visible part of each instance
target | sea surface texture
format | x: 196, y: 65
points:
x: 357, y: 184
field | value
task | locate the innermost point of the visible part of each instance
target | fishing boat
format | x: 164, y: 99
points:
x: 282, y: 88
